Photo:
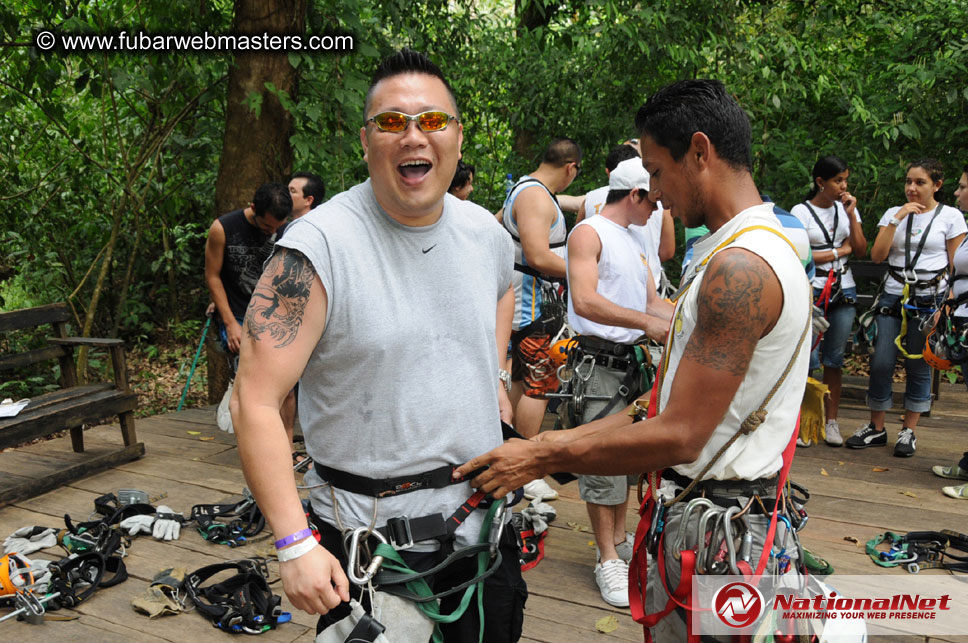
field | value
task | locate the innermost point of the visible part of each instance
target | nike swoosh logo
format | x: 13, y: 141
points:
x: 426, y: 250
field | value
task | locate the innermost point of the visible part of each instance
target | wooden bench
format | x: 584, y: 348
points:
x: 71, y: 405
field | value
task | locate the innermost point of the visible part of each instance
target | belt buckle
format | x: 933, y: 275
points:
x: 400, y: 539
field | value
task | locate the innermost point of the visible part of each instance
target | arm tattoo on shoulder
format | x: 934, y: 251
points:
x: 279, y: 299
x: 731, y: 313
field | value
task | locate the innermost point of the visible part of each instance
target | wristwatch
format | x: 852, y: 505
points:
x: 894, y: 222
x: 505, y: 378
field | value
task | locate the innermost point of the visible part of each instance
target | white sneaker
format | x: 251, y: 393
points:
x: 801, y: 443
x: 539, y: 489
x: 832, y: 432
x: 612, y: 577
x: 623, y: 549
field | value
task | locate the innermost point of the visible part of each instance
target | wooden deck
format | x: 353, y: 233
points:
x: 190, y: 461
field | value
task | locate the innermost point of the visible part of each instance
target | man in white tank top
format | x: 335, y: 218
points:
x: 735, y: 355
x: 612, y: 300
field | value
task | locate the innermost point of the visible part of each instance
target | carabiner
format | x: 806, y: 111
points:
x: 354, y: 570
x: 686, y: 516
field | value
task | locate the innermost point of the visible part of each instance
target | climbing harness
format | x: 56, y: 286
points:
x: 583, y: 353
x: 914, y: 279
x: 229, y: 524
x: 919, y: 550
x: 242, y: 603
x: 383, y: 567
x: 725, y: 525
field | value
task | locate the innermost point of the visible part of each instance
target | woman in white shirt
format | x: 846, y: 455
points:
x: 918, y: 241
x: 833, y: 225
x: 959, y: 352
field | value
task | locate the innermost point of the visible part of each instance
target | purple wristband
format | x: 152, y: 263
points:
x: 290, y: 539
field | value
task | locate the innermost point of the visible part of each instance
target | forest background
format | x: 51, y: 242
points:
x: 114, y: 164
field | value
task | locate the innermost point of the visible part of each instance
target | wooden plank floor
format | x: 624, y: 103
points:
x: 190, y: 461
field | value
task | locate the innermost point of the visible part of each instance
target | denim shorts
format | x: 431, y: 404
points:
x: 830, y: 352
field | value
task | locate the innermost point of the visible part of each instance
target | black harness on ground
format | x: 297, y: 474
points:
x: 242, y: 603
x: 229, y: 524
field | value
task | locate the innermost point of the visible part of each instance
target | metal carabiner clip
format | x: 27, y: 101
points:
x: 354, y: 570
x: 686, y: 516
x: 910, y: 279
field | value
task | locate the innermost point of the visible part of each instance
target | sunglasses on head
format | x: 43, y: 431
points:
x: 397, y: 121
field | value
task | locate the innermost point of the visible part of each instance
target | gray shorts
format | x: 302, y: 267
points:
x: 603, y: 490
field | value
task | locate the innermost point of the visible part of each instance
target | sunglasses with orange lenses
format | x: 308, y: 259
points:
x: 398, y: 121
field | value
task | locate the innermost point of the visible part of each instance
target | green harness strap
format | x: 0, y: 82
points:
x: 889, y: 537
x: 419, y: 586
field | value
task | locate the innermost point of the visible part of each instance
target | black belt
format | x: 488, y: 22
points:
x: 592, y: 344
x: 383, y: 487
x: 615, y: 363
x: 726, y: 491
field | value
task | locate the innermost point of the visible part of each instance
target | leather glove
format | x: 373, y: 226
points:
x: 138, y: 524
x: 167, y: 524
x: 820, y: 324
x: 27, y: 540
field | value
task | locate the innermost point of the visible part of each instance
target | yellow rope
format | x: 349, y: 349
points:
x: 905, y: 296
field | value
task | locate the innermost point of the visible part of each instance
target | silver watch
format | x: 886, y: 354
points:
x: 505, y: 378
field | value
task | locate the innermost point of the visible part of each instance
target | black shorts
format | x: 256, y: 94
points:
x: 505, y: 591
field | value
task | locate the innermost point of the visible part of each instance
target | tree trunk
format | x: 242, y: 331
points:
x: 256, y: 146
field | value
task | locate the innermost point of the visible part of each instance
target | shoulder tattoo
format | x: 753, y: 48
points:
x: 279, y: 300
x: 732, y: 313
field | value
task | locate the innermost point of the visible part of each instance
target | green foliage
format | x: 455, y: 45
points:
x: 93, y: 141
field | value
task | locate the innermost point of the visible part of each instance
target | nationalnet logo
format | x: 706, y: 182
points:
x: 738, y: 605
x: 836, y: 608
x: 898, y: 606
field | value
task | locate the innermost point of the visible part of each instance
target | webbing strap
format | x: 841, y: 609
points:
x: 905, y: 296
x: 420, y: 591
x: 829, y: 238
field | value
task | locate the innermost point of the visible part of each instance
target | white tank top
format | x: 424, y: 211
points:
x: 758, y: 454
x: 622, y: 271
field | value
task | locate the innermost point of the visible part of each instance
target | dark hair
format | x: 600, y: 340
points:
x: 272, y: 199
x: 826, y: 167
x: 314, y: 186
x: 462, y: 176
x: 406, y: 61
x: 677, y: 111
x: 618, y: 154
x: 614, y: 196
x: 561, y: 151
x: 934, y: 169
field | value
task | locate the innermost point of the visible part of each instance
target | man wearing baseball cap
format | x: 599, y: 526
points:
x: 612, y: 301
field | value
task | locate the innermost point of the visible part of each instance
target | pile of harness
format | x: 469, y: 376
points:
x: 919, y: 550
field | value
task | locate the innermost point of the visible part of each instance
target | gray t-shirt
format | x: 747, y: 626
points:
x: 404, y: 378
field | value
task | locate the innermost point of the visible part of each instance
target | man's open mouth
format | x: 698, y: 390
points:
x: 413, y: 169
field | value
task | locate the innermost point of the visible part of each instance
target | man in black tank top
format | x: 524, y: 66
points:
x: 238, y: 244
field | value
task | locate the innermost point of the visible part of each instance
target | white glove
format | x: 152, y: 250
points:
x: 167, y: 528
x: 27, y: 540
x: 138, y: 524
x: 820, y: 324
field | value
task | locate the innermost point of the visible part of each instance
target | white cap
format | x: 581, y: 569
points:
x: 628, y: 175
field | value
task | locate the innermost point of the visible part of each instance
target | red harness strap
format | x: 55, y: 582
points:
x: 682, y: 595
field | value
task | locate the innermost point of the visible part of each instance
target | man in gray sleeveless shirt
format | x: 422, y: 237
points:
x: 390, y: 303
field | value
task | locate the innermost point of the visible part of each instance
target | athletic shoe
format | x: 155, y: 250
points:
x: 906, y: 443
x: 623, y: 549
x: 801, y: 443
x: 612, y: 577
x: 832, y: 433
x: 539, y: 489
x: 867, y: 436
x: 954, y: 472
x: 958, y: 493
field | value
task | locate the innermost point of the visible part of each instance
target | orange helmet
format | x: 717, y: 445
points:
x: 559, y: 350
x: 936, y: 351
